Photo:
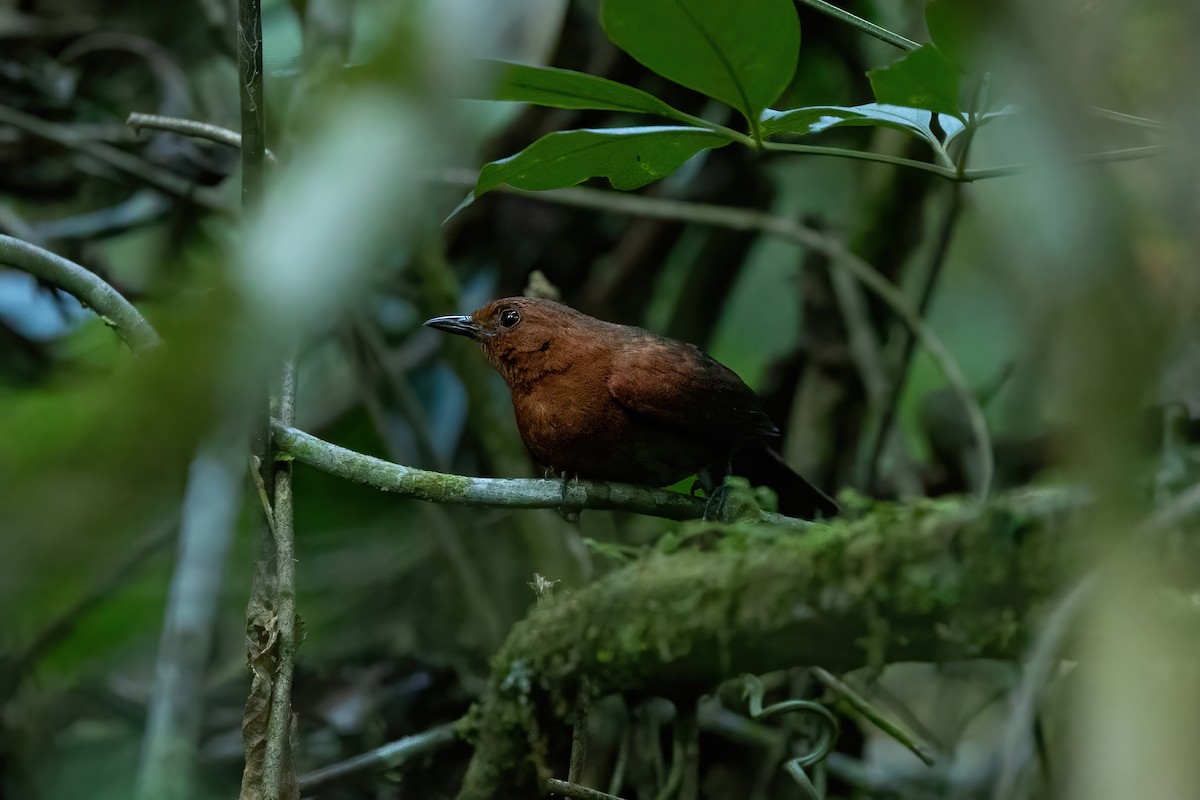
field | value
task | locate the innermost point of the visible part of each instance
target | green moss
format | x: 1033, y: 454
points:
x: 924, y: 580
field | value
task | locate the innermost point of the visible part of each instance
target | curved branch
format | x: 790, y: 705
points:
x: 189, y: 127
x: 85, y: 286
x: 162, y: 179
x: 438, y: 487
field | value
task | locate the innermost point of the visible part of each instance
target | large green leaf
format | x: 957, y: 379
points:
x: 741, y: 52
x: 628, y: 157
x: 921, y: 79
x: 565, y: 88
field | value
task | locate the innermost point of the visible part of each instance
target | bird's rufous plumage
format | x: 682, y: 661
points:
x: 614, y: 402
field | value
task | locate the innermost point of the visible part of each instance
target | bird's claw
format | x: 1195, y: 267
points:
x: 568, y: 511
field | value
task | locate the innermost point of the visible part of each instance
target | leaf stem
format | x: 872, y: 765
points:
x: 869, y: 28
x: 1108, y: 156
x: 860, y: 155
x: 701, y: 122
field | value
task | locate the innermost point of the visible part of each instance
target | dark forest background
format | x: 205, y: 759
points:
x: 1063, y: 294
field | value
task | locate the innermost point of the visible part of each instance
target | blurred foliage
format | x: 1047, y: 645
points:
x: 1066, y: 292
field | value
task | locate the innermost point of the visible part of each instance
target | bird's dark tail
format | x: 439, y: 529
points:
x: 762, y: 466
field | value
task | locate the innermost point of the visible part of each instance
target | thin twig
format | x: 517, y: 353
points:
x: 190, y: 127
x: 207, y: 523
x: 253, y: 110
x: 579, y: 734
x: 110, y: 582
x: 439, y: 487
x: 279, y: 724
x: 1038, y: 669
x: 130, y: 165
x: 575, y: 791
x: 449, y: 539
x: 749, y: 219
x: 876, y: 717
x: 85, y: 286
x: 881, y: 33
x: 387, y: 756
x: 964, y: 175
x: 890, y: 406
x: 1104, y: 157
x: 1129, y: 119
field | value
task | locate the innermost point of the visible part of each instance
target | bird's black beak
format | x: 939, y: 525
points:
x: 462, y: 324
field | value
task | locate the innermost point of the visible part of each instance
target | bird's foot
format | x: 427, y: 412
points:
x: 569, y: 511
x: 732, y: 501
x: 714, y: 503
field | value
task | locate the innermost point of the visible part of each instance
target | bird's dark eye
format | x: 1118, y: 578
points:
x: 509, y: 317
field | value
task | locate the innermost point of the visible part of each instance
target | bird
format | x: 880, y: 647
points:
x: 610, y: 402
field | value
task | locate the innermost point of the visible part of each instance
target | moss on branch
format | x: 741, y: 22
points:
x: 931, y: 581
x: 438, y: 487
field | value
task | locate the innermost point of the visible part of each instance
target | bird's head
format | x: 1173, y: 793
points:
x: 522, y: 337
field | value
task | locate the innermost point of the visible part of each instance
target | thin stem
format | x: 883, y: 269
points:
x: 749, y: 219
x: 701, y: 122
x: 1130, y: 119
x: 280, y: 721
x: 860, y: 155
x: 868, y: 711
x: 85, y: 286
x: 900, y: 375
x: 579, y: 734
x: 617, y: 780
x: 207, y: 523
x: 685, y: 725
x: 387, y: 756
x: 253, y: 111
x: 109, y: 583
x: 189, y: 127
x: 1106, y: 157
x: 131, y: 165
x: 965, y: 175
x: 574, y: 790
x: 870, y: 28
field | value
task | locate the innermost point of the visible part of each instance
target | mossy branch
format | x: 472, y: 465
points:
x: 928, y: 582
x: 85, y: 286
x: 438, y: 487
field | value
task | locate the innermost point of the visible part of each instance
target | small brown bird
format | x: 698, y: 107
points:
x: 614, y: 402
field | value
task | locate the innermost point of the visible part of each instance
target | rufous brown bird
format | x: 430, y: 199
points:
x: 618, y: 403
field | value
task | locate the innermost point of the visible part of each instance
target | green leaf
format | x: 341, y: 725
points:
x: 628, y: 157
x: 921, y: 79
x: 742, y: 53
x: 565, y: 88
x: 814, y: 119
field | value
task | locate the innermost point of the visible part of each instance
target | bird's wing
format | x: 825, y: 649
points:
x: 679, y: 386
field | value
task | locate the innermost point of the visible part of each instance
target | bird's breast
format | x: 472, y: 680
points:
x: 574, y: 425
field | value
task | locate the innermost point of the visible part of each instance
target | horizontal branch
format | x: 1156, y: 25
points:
x: 85, y: 286
x: 387, y: 756
x: 162, y: 179
x: 439, y: 487
x: 188, y: 127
